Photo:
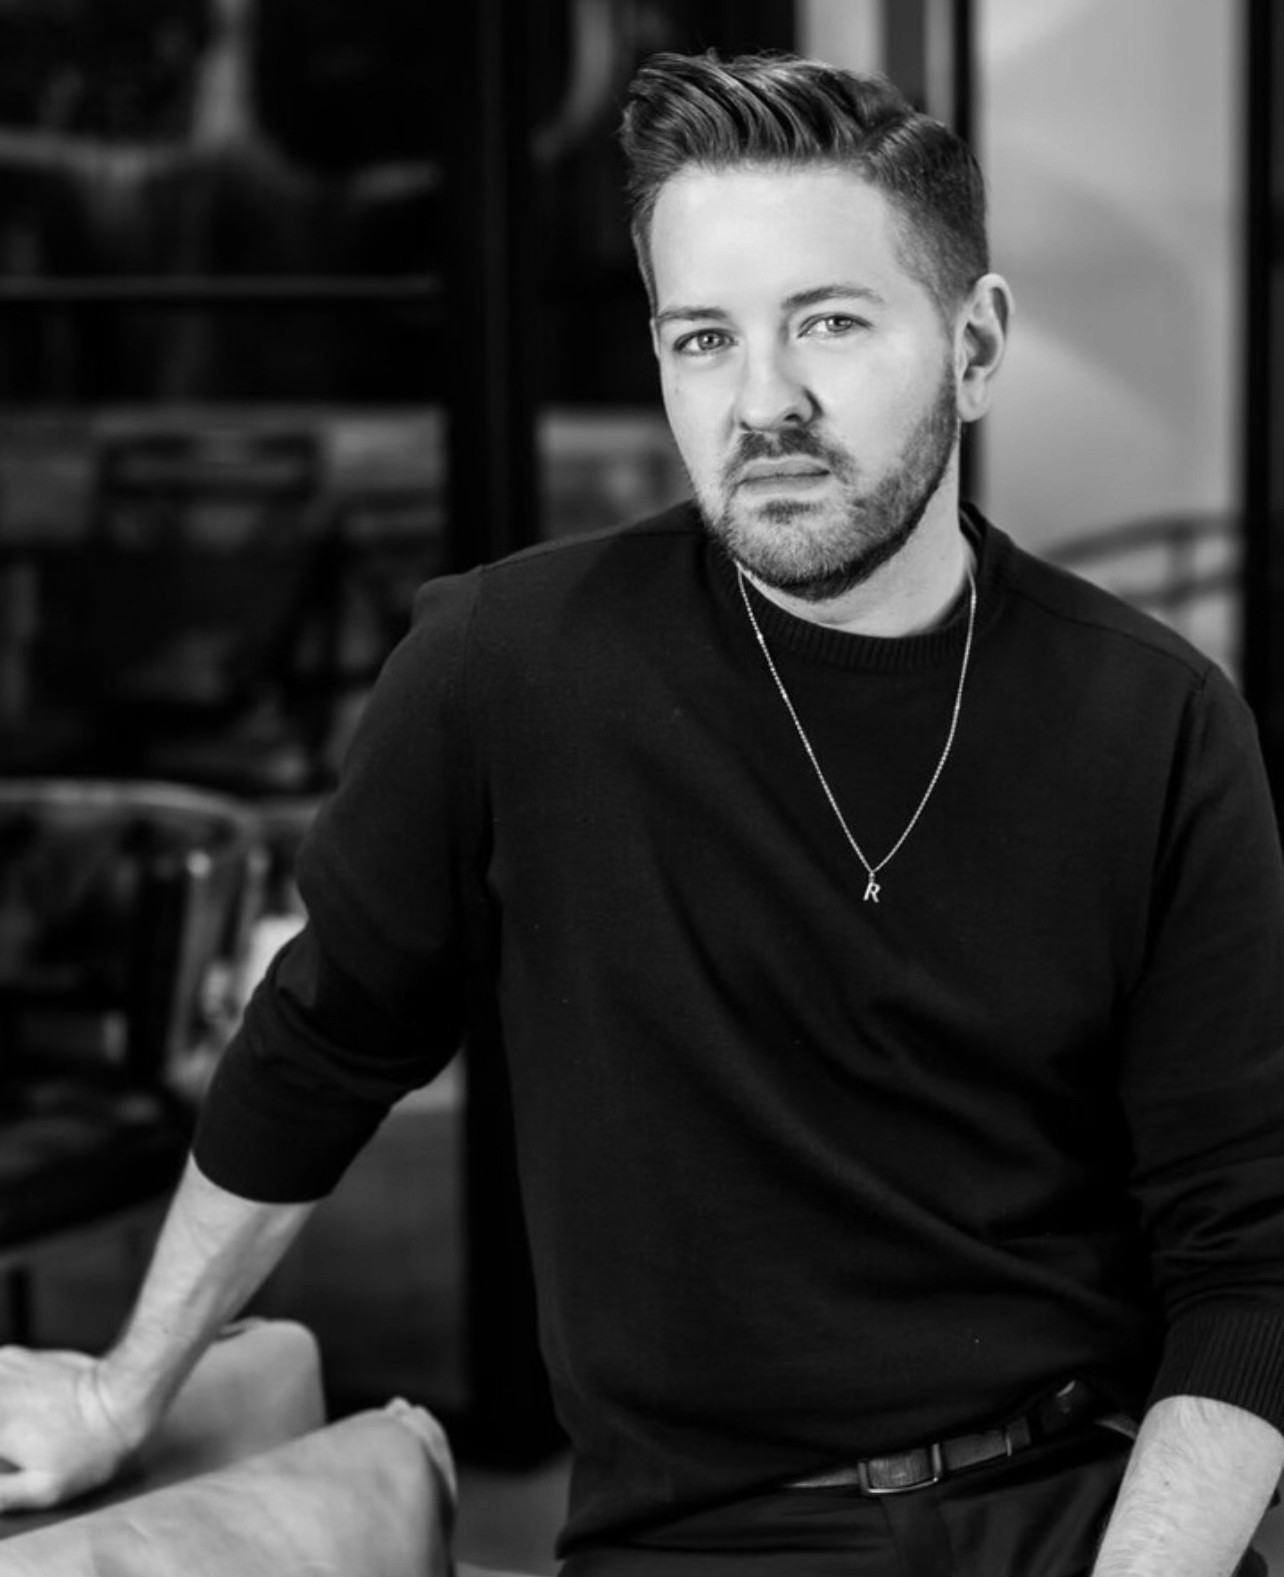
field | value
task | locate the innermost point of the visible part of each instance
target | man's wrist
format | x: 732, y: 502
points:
x: 131, y: 1397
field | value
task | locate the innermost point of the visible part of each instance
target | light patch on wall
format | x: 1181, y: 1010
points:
x: 844, y: 32
x: 1110, y: 138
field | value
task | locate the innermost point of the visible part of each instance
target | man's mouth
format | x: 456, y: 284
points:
x: 763, y: 475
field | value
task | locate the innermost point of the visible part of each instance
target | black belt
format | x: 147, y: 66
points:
x: 1069, y: 1404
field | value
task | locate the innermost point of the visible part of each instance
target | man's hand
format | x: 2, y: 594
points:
x: 67, y: 1422
x: 59, y: 1432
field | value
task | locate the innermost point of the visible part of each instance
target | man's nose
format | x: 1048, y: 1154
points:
x: 771, y: 393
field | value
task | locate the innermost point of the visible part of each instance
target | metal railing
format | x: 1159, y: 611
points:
x: 1184, y: 568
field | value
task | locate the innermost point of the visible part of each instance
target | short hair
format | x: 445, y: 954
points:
x: 773, y: 109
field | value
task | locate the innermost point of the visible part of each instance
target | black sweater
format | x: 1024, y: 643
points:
x: 807, y: 1177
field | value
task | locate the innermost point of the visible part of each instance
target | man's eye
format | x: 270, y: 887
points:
x: 834, y: 324
x: 704, y: 342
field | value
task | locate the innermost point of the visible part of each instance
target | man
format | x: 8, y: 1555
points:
x: 887, y: 930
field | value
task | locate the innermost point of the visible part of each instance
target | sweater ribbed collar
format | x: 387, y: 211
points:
x: 880, y: 653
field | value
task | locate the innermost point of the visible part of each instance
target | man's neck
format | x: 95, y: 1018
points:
x: 911, y: 593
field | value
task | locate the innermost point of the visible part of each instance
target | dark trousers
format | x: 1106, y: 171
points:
x: 1041, y: 1514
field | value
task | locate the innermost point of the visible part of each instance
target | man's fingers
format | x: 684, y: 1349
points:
x: 57, y: 1438
x: 26, y: 1491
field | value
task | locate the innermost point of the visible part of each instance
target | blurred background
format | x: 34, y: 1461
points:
x: 303, y: 301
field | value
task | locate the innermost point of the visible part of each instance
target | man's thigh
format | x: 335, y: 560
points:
x: 1038, y: 1519
x: 1038, y: 1515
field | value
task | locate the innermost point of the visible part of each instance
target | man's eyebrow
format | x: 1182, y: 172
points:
x: 815, y: 296
x: 691, y: 315
x: 819, y: 294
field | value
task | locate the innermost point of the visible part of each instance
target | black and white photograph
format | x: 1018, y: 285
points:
x: 641, y: 784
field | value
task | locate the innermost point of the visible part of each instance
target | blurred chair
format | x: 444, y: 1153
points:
x: 192, y: 625
x: 244, y: 1478
x: 256, y: 1386
x: 386, y: 541
x: 124, y: 917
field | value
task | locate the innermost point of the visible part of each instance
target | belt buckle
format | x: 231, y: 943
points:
x: 934, y: 1476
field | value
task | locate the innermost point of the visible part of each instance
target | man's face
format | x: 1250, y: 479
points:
x: 807, y: 376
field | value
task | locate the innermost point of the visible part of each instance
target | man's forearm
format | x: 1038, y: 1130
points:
x: 1200, y: 1478
x: 213, y: 1252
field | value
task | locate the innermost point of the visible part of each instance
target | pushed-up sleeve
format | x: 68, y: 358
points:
x: 368, y: 1001
x: 1203, y: 1068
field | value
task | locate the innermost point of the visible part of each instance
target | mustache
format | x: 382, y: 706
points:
x: 787, y: 444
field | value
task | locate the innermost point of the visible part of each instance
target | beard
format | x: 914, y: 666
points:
x: 818, y: 551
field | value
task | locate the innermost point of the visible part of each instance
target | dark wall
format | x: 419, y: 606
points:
x: 593, y: 344
x: 1264, y: 388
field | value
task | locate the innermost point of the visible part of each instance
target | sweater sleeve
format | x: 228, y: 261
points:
x: 1203, y: 1068
x: 369, y: 1000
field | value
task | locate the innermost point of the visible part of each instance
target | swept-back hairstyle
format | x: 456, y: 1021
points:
x: 686, y: 111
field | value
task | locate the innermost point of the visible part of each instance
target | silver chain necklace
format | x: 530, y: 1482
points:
x: 872, y: 886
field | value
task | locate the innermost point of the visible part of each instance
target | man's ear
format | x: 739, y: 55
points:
x: 980, y: 339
